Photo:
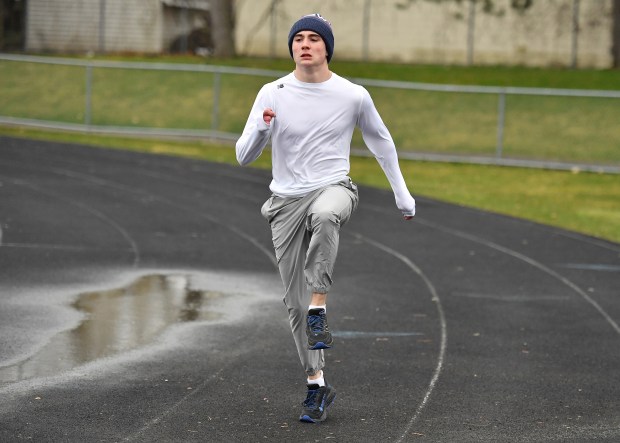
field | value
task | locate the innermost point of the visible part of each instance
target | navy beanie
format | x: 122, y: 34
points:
x: 315, y: 23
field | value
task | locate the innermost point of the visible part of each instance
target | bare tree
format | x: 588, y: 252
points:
x: 223, y: 27
x: 2, y: 24
x: 11, y: 24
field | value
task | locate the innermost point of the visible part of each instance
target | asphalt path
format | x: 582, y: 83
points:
x: 139, y: 301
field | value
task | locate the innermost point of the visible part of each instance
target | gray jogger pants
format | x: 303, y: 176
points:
x: 305, y: 232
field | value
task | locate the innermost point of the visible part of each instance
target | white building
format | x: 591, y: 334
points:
x: 143, y: 26
x: 549, y: 33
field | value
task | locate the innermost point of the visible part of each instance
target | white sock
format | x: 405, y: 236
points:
x: 317, y: 381
x: 318, y: 307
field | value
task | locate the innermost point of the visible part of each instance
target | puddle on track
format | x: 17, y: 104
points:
x: 118, y: 320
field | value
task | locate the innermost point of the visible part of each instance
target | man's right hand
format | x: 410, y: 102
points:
x: 268, y: 115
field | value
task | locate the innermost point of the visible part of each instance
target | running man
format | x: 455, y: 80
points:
x: 310, y: 115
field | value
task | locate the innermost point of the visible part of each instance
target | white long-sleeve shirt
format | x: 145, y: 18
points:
x: 311, y: 136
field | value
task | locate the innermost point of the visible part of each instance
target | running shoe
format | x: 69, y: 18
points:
x: 314, y: 407
x: 317, y: 330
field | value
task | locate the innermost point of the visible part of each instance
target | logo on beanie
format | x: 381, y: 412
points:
x: 317, y: 15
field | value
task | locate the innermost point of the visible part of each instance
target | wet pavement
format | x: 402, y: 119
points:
x: 116, y: 321
x: 139, y: 301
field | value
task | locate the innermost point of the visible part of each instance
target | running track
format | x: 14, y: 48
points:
x: 460, y: 326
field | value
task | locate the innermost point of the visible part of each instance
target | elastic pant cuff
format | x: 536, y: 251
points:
x: 312, y: 372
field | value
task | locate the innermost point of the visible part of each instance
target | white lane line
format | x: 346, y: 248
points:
x: 370, y: 334
x: 552, y: 230
x: 106, y: 183
x: 442, y: 322
x: 269, y: 253
x: 511, y: 298
x: 48, y: 246
x: 154, y: 421
x: 109, y: 184
x: 585, y: 239
x: 599, y: 267
x: 529, y: 261
x: 122, y: 231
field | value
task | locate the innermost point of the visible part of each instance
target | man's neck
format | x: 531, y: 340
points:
x: 312, y: 74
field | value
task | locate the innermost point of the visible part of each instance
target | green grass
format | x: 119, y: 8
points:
x: 550, y: 128
x: 152, y: 98
x: 544, y: 128
x: 42, y: 92
x: 583, y: 202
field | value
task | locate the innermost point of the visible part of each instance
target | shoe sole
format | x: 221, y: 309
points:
x: 319, y: 345
x: 307, y: 419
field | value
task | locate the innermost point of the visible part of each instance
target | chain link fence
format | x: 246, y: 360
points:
x: 545, y: 128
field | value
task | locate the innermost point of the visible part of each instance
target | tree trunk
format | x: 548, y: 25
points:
x: 1, y: 24
x: 223, y: 27
x: 615, y: 45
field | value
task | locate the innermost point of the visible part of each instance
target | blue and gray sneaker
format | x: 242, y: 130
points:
x: 317, y: 330
x: 316, y: 403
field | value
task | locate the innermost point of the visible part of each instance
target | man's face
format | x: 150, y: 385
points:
x: 309, y: 49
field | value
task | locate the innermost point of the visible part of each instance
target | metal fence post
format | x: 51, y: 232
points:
x: 215, y: 117
x: 501, y: 115
x: 89, y: 93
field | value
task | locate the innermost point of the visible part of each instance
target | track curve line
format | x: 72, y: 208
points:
x: 530, y: 261
x: 442, y: 321
x: 116, y: 226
